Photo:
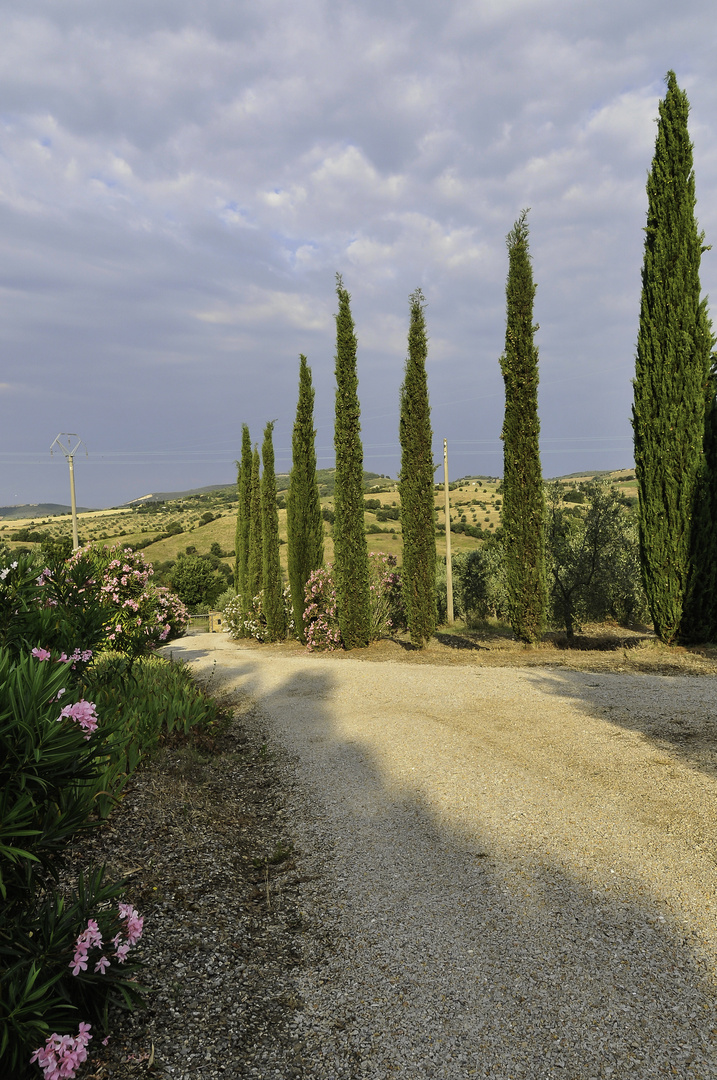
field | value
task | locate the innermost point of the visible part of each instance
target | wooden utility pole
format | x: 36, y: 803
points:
x: 69, y: 453
x: 449, y: 568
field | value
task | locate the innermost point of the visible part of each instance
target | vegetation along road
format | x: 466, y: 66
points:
x: 513, y: 868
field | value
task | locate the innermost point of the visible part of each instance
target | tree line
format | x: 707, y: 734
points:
x: 675, y: 430
x: 257, y: 568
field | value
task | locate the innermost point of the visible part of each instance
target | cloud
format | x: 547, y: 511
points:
x: 179, y: 184
x: 260, y: 306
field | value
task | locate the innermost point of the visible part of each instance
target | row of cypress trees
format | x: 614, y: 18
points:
x: 257, y: 567
x: 674, y: 421
x: 418, y: 573
x: 674, y: 413
x: 675, y: 430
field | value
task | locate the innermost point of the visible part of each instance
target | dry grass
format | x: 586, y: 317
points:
x: 599, y: 648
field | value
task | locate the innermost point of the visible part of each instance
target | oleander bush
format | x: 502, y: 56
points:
x: 139, y: 615
x: 242, y: 624
x: 387, y: 613
x: 75, y: 721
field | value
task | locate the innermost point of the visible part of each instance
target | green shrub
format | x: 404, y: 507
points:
x: 196, y: 581
x: 56, y: 607
x: 51, y: 769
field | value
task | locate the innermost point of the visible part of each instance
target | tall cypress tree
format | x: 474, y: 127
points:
x: 418, y: 573
x: 304, y: 523
x: 255, y: 560
x: 699, y: 617
x: 241, y: 545
x: 672, y: 372
x: 350, y: 551
x: 273, y: 599
x: 523, y: 496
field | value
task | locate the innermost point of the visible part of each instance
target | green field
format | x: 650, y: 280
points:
x: 474, y: 502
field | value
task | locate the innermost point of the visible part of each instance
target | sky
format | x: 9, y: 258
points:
x: 181, y: 180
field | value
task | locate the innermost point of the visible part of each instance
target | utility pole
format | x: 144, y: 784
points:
x: 449, y: 568
x: 69, y: 451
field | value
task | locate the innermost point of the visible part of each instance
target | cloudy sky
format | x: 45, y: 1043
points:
x: 180, y: 181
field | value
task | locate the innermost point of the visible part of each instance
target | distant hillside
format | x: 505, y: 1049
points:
x: 324, y: 477
x: 616, y: 474
x: 39, y: 510
x: 170, y: 496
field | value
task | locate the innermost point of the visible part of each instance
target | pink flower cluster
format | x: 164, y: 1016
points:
x: 79, y: 655
x: 83, y: 713
x: 61, y: 1056
x: 132, y: 931
x: 91, y: 938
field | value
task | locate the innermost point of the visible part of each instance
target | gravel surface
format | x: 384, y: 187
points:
x: 495, y: 872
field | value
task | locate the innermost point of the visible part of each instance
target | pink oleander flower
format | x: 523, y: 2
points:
x: 41, y: 654
x: 83, y: 713
x: 121, y: 952
x: 102, y: 965
x: 135, y: 923
x: 61, y: 1056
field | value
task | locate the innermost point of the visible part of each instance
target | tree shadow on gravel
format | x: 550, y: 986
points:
x: 685, y: 726
x: 435, y: 946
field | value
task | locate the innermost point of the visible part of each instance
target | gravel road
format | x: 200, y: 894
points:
x: 507, y: 872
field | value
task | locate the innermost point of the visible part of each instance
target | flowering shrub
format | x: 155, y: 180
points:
x: 54, y: 607
x: 321, y: 623
x: 253, y: 624
x: 387, y: 611
x: 139, y: 615
x: 91, y: 938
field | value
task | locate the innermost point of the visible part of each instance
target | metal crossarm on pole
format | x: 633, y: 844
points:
x: 69, y: 451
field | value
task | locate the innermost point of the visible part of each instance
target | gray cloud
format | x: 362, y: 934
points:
x: 180, y: 182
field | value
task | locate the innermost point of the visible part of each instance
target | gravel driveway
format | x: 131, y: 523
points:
x: 508, y: 872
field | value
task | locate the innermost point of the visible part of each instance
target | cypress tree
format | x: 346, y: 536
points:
x: 523, y: 496
x: 255, y: 560
x: 241, y: 544
x: 672, y: 374
x: 418, y: 573
x: 699, y: 617
x: 273, y: 598
x: 350, y: 551
x: 304, y: 523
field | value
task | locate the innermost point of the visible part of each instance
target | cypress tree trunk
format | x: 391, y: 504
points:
x: 523, y: 496
x: 273, y: 599
x: 350, y: 551
x: 672, y: 372
x: 255, y: 561
x: 418, y: 572
x: 304, y: 523
x: 243, y: 520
